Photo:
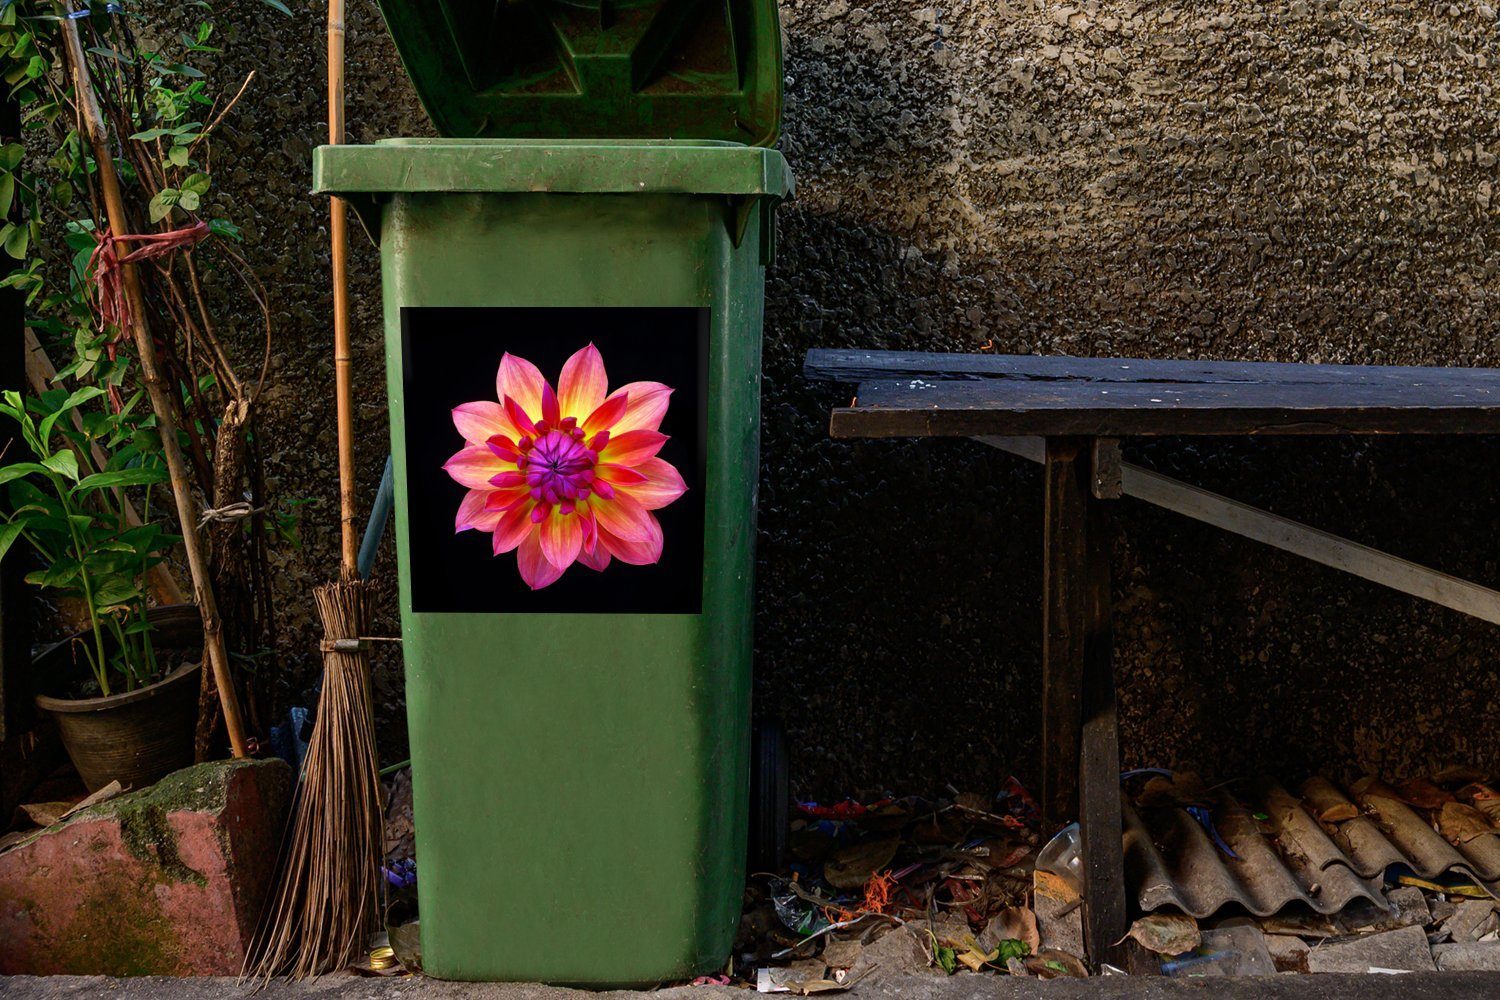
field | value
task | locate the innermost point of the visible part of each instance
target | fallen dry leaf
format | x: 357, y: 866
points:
x: 1484, y: 798
x: 1014, y: 923
x: 1423, y: 794
x: 48, y: 813
x: 1339, y: 812
x: 1166, y: 933
x: 1460, y: 824
x: 1157, y: 791
x: 1458, y: 774
x: 45, y: 813
x: 851, y: 867
x: 1371, y: 787
x: 1326, y: 802
x: 1183, y: 788
x: 1003, y: 854
x: 1053, y: 964
x: 104, y: 794
x: 973, y: 959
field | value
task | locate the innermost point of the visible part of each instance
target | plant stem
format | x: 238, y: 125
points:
x: 40, y: 373
x: 161, y: 399
x: 101, y: 666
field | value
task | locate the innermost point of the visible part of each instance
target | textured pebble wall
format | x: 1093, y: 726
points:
x: 1298, y: 181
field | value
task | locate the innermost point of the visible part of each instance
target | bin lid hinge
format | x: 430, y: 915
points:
x: 742, y: 211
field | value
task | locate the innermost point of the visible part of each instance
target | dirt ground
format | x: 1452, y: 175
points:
x: 1434, y: 986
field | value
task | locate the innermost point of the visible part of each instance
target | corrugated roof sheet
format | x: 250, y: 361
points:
x: 1325, y: 849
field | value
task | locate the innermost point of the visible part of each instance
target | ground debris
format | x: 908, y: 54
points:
x: 1288, y: 953
x: 1166, y: 933
x: 1059, y: 913
x: 884, y: 886
x: 1235, y: 948
x: 1472, y: 920
x: 1404, y: 950
x: 1476, y: 956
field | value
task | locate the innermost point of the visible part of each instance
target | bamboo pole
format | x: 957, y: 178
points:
x: 40, y: 372
x: 342, y: 356
x: 327, y: 901
x: 161, y: 402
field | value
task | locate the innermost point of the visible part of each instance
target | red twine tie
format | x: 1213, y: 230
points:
x: 109, y: 290
x: 106, y: 263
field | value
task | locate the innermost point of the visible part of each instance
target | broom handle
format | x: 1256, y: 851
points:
x: 114, y: 204
x: 342, y: 359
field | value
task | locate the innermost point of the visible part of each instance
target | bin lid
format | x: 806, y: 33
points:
x: 555, y: 166
x: 648, y: 69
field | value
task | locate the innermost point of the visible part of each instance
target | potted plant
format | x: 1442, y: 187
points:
x: 121, y: 690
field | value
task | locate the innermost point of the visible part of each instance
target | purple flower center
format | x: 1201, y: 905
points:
x: 559, y: 468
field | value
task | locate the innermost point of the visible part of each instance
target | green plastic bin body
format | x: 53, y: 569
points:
x: 580, y: 779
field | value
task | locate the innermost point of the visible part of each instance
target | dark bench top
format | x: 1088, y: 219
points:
x: 903, y: 394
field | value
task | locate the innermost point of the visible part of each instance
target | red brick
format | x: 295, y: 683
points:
x: 166, y: 881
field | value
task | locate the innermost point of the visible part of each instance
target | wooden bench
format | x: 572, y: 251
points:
x: 1069, y: 414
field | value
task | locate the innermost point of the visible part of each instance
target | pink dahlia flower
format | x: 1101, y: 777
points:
x: 565, y: 476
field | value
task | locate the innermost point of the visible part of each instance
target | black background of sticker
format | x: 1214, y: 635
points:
x: 450, y: 356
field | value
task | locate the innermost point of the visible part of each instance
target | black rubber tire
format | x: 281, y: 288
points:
x: 770, y: 798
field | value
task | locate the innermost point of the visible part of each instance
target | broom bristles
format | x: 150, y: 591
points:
x: 327, y: 897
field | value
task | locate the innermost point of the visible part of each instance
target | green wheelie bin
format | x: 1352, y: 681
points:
x: 573, y: 281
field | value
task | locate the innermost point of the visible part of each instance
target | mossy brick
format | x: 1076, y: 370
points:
x: 169, y: 880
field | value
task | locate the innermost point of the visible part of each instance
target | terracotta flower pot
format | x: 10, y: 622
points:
x: 135, y: 737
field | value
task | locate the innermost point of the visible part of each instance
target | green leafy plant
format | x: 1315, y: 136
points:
x: 156, y: 75
x: 76, y: 519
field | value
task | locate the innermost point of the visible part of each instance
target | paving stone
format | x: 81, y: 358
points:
x: 1404, y: 949
x: 1473, y: 919
x: 1059, y: 913
x: 900, y: 951
x: 1410, y: 908
x: 841, y: 954
x: 1442, y: 909
x: 1471, y: 956
x: 1288, y: 953
x: 169, y: 880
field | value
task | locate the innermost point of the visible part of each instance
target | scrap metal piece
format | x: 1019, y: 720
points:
x: 1324, y: 850
x: 1423, y: 849
x: 1171, y: 861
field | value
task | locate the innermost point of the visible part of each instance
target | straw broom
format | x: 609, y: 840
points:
x: 328, y: 899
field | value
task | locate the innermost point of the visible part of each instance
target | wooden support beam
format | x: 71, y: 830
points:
x: 1064, y: 625
x: 1291, y: 536
x: 1312, y: 543
x: 1033, y: 449
x: 1105, y: 482
x: 1100, y: 826
x: 1080, y: 736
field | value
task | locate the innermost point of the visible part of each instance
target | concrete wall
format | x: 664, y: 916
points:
x: 1299, y: 181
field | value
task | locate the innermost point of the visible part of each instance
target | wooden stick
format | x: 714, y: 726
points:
x: 1064, y: 628
x: 342, y: 356
x: 161, y: 401
x: 40, y: 372
x: 1283, y: 533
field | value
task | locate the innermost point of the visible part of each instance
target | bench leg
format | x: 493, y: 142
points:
x: 1064, y: 615
x: 1104, y: 906
x: 1080, y: 737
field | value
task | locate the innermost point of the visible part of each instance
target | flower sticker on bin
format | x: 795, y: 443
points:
x: 566, y: 476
